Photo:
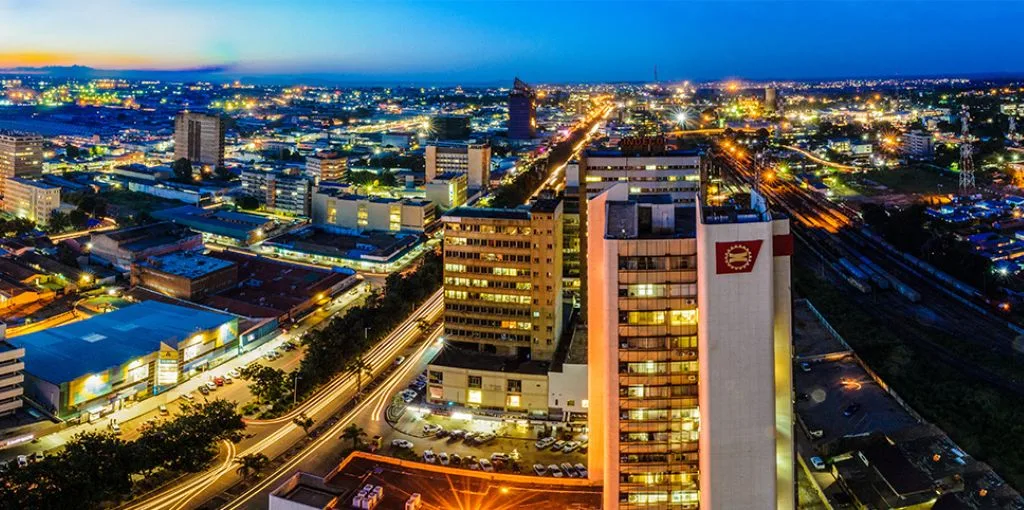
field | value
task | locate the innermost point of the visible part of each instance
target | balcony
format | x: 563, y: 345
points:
x: 11, y: 380
x: 11, y: 368
x: 6, y: 407
x: 13, y: 392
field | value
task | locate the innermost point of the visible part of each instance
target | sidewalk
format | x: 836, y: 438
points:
x: 55, y: 440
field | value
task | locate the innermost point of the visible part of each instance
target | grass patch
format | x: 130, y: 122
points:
x: 909, y: 179
x: 981, y: 418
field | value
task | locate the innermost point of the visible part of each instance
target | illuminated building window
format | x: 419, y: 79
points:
x: 651, y: 318
x: 436, y: 393
x: 435, y: 377
x: 585, y: 403
x: 513, y: 401
x: 683, y: 317
x: 475, y: 397
x: 474, y: 381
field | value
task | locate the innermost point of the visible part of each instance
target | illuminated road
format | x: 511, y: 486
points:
x: 108, y: 224
x: 274, y: 437
x: 818, y: 160
x: 556, y: 175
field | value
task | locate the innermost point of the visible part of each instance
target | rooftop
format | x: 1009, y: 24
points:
x: 451, y: 356
x: 186, y: 264
x: 519, y: 213
x: 32, y: 182
x: 226, y: 223
x: 65, y: 353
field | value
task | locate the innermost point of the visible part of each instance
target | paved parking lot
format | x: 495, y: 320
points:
x: 830, y: 388
x: 511, y: 439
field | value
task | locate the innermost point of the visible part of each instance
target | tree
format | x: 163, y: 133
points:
x: 269, y: 384
x: 360, y: 367
x: 224, y: 174
x: 303, y: 421
x: 182, y: 170
x: 353, y: 433
x: 248, y: 203
x: 251, y: 464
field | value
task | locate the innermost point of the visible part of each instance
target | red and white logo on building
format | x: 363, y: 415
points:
x: 736, y: 256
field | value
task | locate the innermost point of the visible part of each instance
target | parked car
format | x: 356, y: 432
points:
x: 187, y: 397
x: 818, y: 463
x: 817, y: 433
x: 555, y: 471
x: 485, y: 438
x: 570, y: 447
x: 568, y: 469
x: 457, y: 434
x: 557, y: 447
x: 851, y: 409
x: 544, y: 442
x: 441, y: 433
x: 22, y: 461
x: 429, y: 457
x: 402, y: 443
x: 218, y: 381
x: 499, y: 456
x: 430, y: 429
x: 228, y: 380
x: 456, y: 459
x: 805, y: 366
x: 581, y: 470
x: 204, y: 390
x: 375, y: 443
x: 540, y: 469
x: 4, y: 466
x: 38, y: 457
x: 164, y: 411
x: 408, y: 395
x: 584, y: 445
x: 486, y: 466
x: 212, y: 386
x: 116, y: 427
x: 443, y: 459
x: 470, y: 438
x: 234, y: 373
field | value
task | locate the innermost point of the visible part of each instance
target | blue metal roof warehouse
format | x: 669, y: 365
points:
x: 65, y: 353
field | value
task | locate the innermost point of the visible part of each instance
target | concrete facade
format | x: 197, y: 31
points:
x: 474, y: 160
x: 32, y: 200
x: 199, y: 138
x: 21, y: 155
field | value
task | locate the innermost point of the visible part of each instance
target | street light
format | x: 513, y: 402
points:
x: 295, y: 389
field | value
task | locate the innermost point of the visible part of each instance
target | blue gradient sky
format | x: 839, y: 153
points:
x: 477, y: 41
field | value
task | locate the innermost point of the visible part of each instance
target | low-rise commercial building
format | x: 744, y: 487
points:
x: 474, y: 160
x: 185, y: 275
x: 222, y: 227
x: 88, y: 368
x: 488, y: 381
x: 11, y: 377
x: 121, y: 248
x: 448, y: 190
x: 919, y: 145
x: 32, y: 200
x: 341, y: 211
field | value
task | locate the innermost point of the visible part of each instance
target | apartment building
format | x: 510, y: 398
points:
x: 337, y: 210
x: 12, y: 378
x: 21, y: 155
x: 326, y: 166
x: 689, y: 353
x: 199, y: 138
x: 472, y: 159
x: 448, y: 190
x: 32, y: 200
x: 280, y: 191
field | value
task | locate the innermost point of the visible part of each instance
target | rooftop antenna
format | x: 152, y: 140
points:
x: 967, y: 183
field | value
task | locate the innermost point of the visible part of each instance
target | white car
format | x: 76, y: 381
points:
x: 399, y: 360
x: 408, y: 395
x: 402, y: 443
x: 540, y: 469
x: 570, y: 447
x: 485, y: 437
x: 581, y: 470
x: 211, y: 385
x: 568, y: 469
x: 116, y: 427
x: 430, y: 429
x: 818, y: 463
x: 544, y: 442
x: 22, y: 461
x: 234, y: 373
x: 443, y: 459
x: 555, y: 471
x: 486, y: 466
x: 558, y: 446
x: 429, y: 457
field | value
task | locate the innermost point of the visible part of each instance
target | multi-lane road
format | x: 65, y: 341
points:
x: 275, y: 437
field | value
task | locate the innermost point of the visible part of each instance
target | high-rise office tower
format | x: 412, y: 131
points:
x: 199, y: 137
x: 689, y: 353
x: 770, y: 100
x: 472, y: 159
x: 502, y: 278
x: 522, y: 111
x: 450, y: 127
x: 21, y: 155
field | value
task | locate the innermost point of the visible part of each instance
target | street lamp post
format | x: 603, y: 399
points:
x: 295, y: 389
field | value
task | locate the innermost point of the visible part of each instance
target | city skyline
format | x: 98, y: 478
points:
x: 453, y: 42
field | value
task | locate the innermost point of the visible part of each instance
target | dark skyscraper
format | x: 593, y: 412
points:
x: 450, y: 127
x: 522, y: 111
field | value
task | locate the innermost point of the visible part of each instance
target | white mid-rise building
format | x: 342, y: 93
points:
x: 472, y: 159
x: 689, y: 354
x: 32, y: 200
x: 21, y: 155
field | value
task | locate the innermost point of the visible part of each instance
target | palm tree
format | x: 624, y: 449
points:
x: 303, y: 421
x: 360, y: 367
x: 353, y: 433
x: 251, y: 464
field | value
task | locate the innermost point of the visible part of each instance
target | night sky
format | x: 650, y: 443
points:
x: 484, y: 41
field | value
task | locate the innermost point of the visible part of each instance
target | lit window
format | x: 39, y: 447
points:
x: 513, y: 401
x: 683, y: 317
x: 475, y: 397
x: 436, y: 393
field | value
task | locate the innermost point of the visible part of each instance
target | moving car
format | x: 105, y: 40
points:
x: 399, y: 360
x: 116, y: 427
x: 805, y: 366
x: 402, y: 443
